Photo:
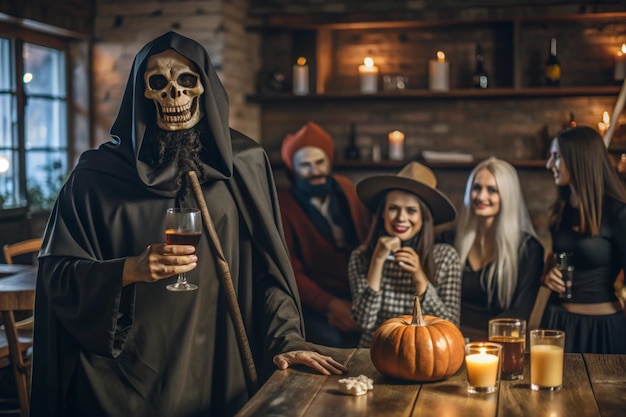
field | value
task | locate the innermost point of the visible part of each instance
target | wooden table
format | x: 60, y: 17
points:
x: 594, y: 385
x: 17, y: 292
x: 10, y: 269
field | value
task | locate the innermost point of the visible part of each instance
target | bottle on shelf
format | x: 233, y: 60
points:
x: 553, y: 66
x: 480, y: 78
x: 352, y: 152
x: 571, y: 122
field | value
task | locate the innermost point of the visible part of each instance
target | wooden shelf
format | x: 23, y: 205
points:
x: 514, y: 48
x: 390, y: 20
x: 452, y: 94
x: 396, y: 165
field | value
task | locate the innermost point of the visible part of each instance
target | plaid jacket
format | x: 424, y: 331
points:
x: 371, y: 308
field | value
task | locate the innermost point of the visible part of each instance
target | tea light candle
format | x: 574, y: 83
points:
x: 396, y: 145
x: 620, y: 64
x: 301, y: 77
x: 368, y: 75
x: 439, y: 73
x: 482, y: 369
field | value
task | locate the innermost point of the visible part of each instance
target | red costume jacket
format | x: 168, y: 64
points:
x: 321, y: 269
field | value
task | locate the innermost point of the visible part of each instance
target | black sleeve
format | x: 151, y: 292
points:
x: 528, y: 280
x: 88, y: 300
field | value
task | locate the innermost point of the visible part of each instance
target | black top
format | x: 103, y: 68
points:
x: 475, y: 309
x: 597, y: 260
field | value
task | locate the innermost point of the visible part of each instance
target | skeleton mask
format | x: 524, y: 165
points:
x: 175, y: 88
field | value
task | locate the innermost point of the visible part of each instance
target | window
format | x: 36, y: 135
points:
x: 33, y: 120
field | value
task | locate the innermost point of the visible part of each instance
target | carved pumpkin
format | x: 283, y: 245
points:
x: 417, y: 348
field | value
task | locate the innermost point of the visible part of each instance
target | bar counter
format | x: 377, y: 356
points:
x: 593, y: 385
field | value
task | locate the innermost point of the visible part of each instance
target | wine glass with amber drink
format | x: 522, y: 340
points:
x: 183, y: 226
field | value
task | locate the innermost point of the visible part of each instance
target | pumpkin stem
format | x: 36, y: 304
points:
x: 418, y: 319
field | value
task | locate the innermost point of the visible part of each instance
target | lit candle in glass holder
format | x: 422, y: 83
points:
x: 620, y: 64
x: 439, y: 73
x: 368, y: 76
x: 604, y: 124
x: 301, y: 77
x: 396, y: 145
x: 482, y: 362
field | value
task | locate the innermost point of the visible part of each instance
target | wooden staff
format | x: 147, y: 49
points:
x: 227, y: 282
x: 617, y: 112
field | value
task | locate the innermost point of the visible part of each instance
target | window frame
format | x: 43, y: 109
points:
x: 18, y: 36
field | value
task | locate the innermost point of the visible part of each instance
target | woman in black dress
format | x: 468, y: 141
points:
x: 588, y: 219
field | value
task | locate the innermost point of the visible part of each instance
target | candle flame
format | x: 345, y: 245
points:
x: 441, y: 57
x: 623, y: 48
x: 301, y: 61
x: 369, y: 62
x: 482, y: 350
x: 396, y: 136
x: 605, y: 118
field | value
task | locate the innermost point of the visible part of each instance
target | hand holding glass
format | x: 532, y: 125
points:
x: 183, y: 226
x: 565, y: 262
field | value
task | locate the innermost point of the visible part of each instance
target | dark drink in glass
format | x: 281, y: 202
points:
x: 568, y: 277
x: 183, y: 226
x: 513, y: 355
x: 511, y: 334
x: 565, y: 262
x: 174, y: 237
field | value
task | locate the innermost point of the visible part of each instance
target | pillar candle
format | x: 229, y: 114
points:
x: 605, y: 123
x: 368, y: 76
x: 439, y: 73
x: 620, y: 64
x: 482, y: 369
x: 396, y: 145
x: 301, y: 77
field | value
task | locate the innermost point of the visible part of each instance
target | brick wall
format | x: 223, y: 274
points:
x: 123, y: 27
x: 510, y: 128
x: 514, y: 128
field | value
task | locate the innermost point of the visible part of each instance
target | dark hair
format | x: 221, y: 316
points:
x: 425, y: 239
x: 592, y: 175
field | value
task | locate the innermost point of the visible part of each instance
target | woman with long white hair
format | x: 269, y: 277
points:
x: 498, y: 247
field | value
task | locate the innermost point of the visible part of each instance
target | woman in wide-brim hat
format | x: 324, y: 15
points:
x: 399, y: 258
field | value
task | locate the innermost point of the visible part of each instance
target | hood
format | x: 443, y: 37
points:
x: 137, y: 112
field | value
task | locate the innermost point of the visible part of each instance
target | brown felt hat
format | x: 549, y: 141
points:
x: 309, y: 135
x: 414, y: 178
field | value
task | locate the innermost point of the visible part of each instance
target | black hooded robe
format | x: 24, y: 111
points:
x: 102, y: 349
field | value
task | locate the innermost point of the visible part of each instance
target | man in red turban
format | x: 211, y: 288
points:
x: 323, y: 221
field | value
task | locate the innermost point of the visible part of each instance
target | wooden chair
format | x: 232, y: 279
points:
x: 15, y: 345
x: 541, y: 301
x: 16, y: 336
x: 14, y: 253
x: 14, y: 250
